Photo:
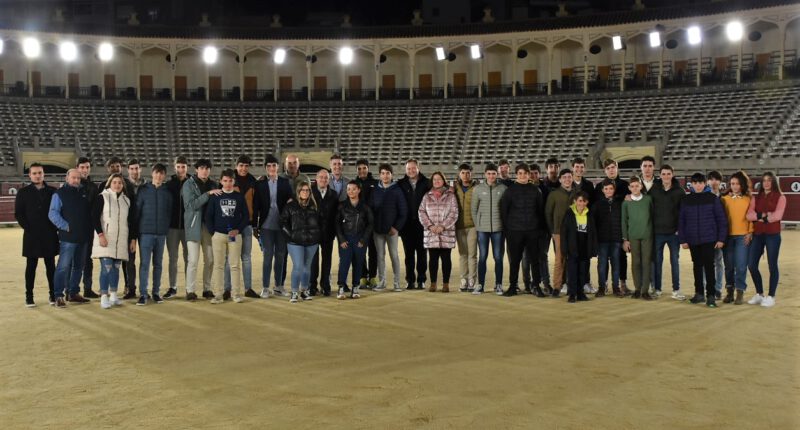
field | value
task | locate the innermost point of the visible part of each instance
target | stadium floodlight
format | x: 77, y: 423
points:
x: 68, y: 51
x: 210, y: 55
x: 734, y: 30
x: 440, y: 56
x: 280, y: 56
x: 655, y: 39
x: 1, y: 46
x: 346, y: 55
x: 31, y: 47
x: 695, y: 36
x: 105, y: 52
x: 617, y: 42
x: 475, y: 51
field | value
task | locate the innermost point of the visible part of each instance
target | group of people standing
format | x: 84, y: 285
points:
x: 725, y: 230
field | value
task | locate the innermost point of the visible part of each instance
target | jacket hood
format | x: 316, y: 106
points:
x: 392, y: 184
x: 575, y: 211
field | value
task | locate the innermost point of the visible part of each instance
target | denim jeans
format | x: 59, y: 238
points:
x: 176, y: 237
x: 608, y: 251
x: 69, y: 268
x: 496, y: 239
x: 109, y: 274
x: 151, y: 249
x: 301, y: 265
x: 354, y: 255
x: 773, y: 244
x: 673, y: 243
x: 735, y: 253
x: 273, y: 244
x: 719, y: 269
x: 247, y: 262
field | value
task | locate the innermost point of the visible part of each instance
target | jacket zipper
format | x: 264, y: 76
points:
x: 491, y: 226
x: 116, y: 244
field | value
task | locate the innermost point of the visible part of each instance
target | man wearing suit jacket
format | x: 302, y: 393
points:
x: 328, y: 203
x: 271, y: 195
x: 338, y: 180
x: 414, y: 186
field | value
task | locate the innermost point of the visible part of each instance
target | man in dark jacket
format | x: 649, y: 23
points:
x: 521, y: 210
x: 414, y: 186
x: 84, y: 166
x: 272, y: 192
x: 132, y: 185
x: 367, y: 183
x: 39, y: 237
x: 621, y: 190
x: 153, y: 210
x: 244, y: 184
x: 70, y: 213
x: 176, y: 236
x: 667, y: 196
x: 607, y: 214
x: 390, y: 212
x: 328, y: 202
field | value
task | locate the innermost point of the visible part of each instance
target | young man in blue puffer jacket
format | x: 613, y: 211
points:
x: 153, y: 214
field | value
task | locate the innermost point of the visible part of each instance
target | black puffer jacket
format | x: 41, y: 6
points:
x: 354, y: 220
x: 522, y: 208
x: 607, y: 216
x: 301, y: 225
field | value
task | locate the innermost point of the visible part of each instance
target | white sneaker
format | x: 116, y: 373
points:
x: 264, y: 293
x: 397, y: 288
x: 768, y: 301
x: 564, y: 289
x: 293, y: 299
x: 354, y: 293
x: 238, y: 299
x: 341, y: 295
x: 478, y: 290
x: 104, y: 302
x: 379, y: 287
x: 756, y: 300
x: 677, y: 295
x: 463, y: 284
x: 658, y: 293
x: 114, y: 299
x: 216, y: 300
x: 498, y: 289
x: 278, y: 291
x: 304, y: 295
x: 588, y: 289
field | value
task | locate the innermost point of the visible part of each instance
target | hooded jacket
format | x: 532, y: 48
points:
x: 571, y: 227
x: 388, y: 208
x: 153, y: 209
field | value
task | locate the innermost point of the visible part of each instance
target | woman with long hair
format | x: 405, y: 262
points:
x: 740, y: 234
x: 438, y: 213
x: 300, y: 222
x: 766, y: 212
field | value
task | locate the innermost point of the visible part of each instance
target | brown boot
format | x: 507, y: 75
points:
x: 739, y: 297
x: 432, y: 288
x: 445, y: 288
x: 728, y: 295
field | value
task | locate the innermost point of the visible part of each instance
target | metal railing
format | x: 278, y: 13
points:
x: 395, y: 93
x: 531, y: 89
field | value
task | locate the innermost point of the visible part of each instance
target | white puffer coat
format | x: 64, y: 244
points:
x: 114, y: 220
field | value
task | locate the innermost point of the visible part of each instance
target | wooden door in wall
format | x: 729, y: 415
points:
x: 215, y: 87
x: 354, y: 87
x: 110, y: 84
x: 495, y: 80
x: 387, y: 86
x: 146, y: 86
x: 180, y: 88
x: 284, y: 87
x: 425, y: 85
x: 459, y: 84
x: 320, y: 87
x: 36, y: 82
x: 250, y: 87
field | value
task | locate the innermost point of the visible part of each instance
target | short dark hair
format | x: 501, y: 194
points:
x: 715, y: 175
x: 464, y: 166
x: 608, y: 161
x: 362, y: 161
x: 535, y: 168
x: 82, y: 160
x: 203, y: 162
x: 551, y: 162
x: 228, y: 173
x: 158, y: 167
x: 181, y: 160
x: 489, y: 167
x: 270, y: 159
x: 580, y: 195
x: 336, y: 157
x: 113, y: 160
x: 634, y: 179
x: 666, y: 167
x: 522, y: 166
x: 35, y: 164
x: 648, y: 158
x: 563, y: 172
x: 354, y: 182
x: 386, y: 166
x: 133, y: 161
x: 412, y: 160
x: 578, y: 160
x: 502, y: 162
x: 606, y: 182
x: 698, y: 177
x: 244, y: 159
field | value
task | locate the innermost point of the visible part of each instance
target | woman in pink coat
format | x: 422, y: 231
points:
x: 438, y: 214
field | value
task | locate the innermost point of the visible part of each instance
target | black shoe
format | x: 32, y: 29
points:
x: 527, y: 289
x: 601, y: 292
x: 226, y: 295
x: 717, y: 295
x: 511, y: 291
x: 77, y: 299
x: 698, y: 298
x: 547, y: 289
x: 636, y: 295
x: 191, y: 297
x: 556, y: 293
x: 130, y: 294
x: 157, y: 299
x: 142, y: 301
x: 711, y: 303
x: 172, y: 292
x: 89, y: 294
x: 29, y: 302
x: 538, y: 292
x: 571, y: 298
x: 410, y: 286
x: 52, y: 300
x: 208, y: 295
x: 326, y: 292
x: 647, y: 296
x: 346, y: 289
x: 252, y: 294
x: 60, y: 303
x: 420, y: 285
x: 582, y: 296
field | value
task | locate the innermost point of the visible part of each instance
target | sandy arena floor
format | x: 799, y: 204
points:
x: 400, y: 360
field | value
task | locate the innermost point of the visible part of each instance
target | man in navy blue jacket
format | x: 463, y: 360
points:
x: 153, y: 214
x: 390, y: 209
x: 271, y: 195
x: 226, y: 218
x: 702, y: 228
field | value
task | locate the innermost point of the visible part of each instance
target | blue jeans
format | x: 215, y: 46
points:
x: 69, y: 268
x: 109, y: 274
x: 673, y: 243
x: 151, y: 247
x: 301, y: 265
x: 773, y: 244
x: 735, y: 253
x: 247, y: 262
x: 608, y: 251
x: 354, y: 255
x: 273, y: 244
x: 496, y: 239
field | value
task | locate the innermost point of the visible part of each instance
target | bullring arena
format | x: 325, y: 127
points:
x: 698, y: 85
